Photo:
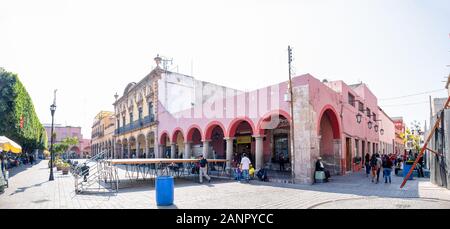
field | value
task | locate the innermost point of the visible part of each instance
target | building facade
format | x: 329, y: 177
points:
x: 102, y: 133
x: 172, y: 115
x: 387, y: 134
x: 62, y: 132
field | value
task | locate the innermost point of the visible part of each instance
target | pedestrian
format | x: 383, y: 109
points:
x: 321, y: 168
x: 282, y: 161
x: 420, y: 167
x: 203, y: 169
x: 373, y: 166
x: 367, y: 164
x: 379, y: 165
x: 245, y: 163
x: 387, y: 169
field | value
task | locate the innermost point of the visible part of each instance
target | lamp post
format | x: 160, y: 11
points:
x: 52, y: 110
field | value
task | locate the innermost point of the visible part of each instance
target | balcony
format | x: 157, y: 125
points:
x: 146, y: 121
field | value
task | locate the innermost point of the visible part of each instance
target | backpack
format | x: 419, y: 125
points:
x: 373, y: 162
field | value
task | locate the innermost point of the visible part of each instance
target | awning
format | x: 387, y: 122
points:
x: 7, y: 144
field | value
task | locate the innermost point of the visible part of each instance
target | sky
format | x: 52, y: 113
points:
x: 89, y: 50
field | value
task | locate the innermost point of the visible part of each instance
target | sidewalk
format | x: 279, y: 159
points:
x: 30, y: 188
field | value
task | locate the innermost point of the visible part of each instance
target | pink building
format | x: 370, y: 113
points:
x: 168, y: 114
x: 258, y: 123
x: 62, y: 132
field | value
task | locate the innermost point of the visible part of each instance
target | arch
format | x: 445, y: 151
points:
x: 210, y: 127
x: 128, y: 87
x: 175, y: 134
x: 331, y: 113
x: 236, y: 122
x: 162, y: 138
x: 191, y: 131
x: 270, y: 114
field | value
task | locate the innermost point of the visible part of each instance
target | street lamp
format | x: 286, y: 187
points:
x: 358, y: 118
x: 52, y: 110
x: 382, y: 131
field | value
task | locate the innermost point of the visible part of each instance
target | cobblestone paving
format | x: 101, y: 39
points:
x: 30, y: 188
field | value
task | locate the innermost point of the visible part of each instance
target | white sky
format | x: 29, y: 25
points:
x: 89, y: 50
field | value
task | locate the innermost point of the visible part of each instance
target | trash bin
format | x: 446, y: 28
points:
x: 164, y: 190
x: 406, y: 169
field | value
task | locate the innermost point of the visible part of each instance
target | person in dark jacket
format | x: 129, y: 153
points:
x: 321, y: 167
x: 387, y: 169
x: 367, y: 164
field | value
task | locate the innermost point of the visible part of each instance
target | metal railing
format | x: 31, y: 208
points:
x: 146, y: 121
x: 95, y: 170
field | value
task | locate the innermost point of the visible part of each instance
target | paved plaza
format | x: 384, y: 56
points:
x: 30, y: 188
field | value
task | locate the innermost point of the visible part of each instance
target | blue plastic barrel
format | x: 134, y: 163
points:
x: 164, y: 190
x: 406, y: 169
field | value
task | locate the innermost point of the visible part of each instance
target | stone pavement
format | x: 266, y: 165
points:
x: 30, y: 188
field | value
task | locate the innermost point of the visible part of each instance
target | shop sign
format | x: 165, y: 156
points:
x: 244, y: 139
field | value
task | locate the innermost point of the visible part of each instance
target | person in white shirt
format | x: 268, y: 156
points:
x: 245, y: 163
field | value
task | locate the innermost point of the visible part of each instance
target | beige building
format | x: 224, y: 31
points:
x: 102, y: 133
x: 135, y: 113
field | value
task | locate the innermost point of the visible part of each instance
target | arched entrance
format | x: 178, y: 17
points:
x: 132, y: 146
x: 125, y: 153
x: 151, y: 145
x: 215, y: 133
x: 242, y: 131
x: 118, y: 149
x: 165, y: 145
x: 194, y: 142
x: 330, y: 141
x: 140, y: 151
x: 275, y: 128
x: 178, y: 141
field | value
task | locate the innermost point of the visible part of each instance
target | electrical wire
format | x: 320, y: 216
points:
x: 405, y: 104
x: 404, y: 96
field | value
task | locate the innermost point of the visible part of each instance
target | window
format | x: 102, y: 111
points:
x: 374, y: 117
x: 368, y: 112
x: 360, y: 106
x: 123, y: 120
x: 140, y: 115
x: 131, y: 117
x: 150, y: 110
x: 351, y: 99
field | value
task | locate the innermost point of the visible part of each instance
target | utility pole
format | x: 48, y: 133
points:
x: 292, y: 116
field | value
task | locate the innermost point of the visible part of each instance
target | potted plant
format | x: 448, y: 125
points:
x: 65, y: 168
x: 58, y: 164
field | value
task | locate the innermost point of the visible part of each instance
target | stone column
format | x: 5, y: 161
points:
x: 206, y: 149
x: 146, y: 147
x: 259, y: 156
x: 187, y: 150
x: 161, y: 151
x: 229, y: 152
x: 172, y: 150
x: 122, y: 149
x: 137, y: 148
x: 129, y: 149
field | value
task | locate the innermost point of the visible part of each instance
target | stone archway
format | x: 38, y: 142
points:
x: 193, y: 144
x: 177, y: 147
x: 151, y: 145
x: 330, y: 141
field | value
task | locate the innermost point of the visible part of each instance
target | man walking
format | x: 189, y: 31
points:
x: 203, y: 169
x: 245, y: 163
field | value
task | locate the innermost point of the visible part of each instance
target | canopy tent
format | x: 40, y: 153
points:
x: 7, y: 144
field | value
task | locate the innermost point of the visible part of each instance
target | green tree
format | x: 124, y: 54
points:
x: 16, y: 107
